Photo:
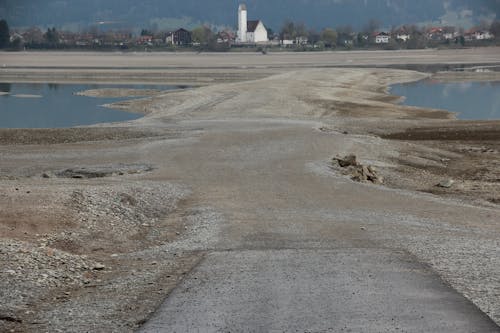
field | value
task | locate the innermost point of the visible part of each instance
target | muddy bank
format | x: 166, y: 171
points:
x: 118, y: 92
x: 451, y: 131
x: 464, y: 152
x: 71, y: 135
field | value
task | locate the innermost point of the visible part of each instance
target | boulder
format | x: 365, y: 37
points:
x: 447, y: 183
x: 349, y: 160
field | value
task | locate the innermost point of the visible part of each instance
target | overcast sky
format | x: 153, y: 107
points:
x: 163, y: 14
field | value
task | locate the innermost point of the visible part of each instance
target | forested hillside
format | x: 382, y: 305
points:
x: 314, y: 13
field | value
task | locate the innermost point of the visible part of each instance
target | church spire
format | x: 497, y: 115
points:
x: 242, y: 23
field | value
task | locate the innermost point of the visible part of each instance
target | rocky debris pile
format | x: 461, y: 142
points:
x: 100, y: 171
x: 55, y: 268
x: 112, y: 215
x: 357, y: 171
x: 29, y: 270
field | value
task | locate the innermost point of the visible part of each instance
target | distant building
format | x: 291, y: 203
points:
x: 346, y: 39
x: 298, y: 41
x: 181, y: 37
x: 226, y: 37
x: 483, y: 35
x: 435, y: 33
x: 402, y: 35
x: 382, y: 38
x: 250, y: 31
x: 145, y: 40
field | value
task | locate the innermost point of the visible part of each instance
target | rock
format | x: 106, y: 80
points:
x: 349, y: 160
x: 362, y: 173
x: 45, y: 175
x: 50, y: 252
x: 378, y: 180
x: 98, y: 267
x: 447, y: 183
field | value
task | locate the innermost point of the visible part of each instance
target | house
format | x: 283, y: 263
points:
x: 181, y: 37
x: 346, y: 39
x: 483, y: 35
x: 402, y: 35
x: 16, y: 36
x: 382, y: 38
x: 435, y: 33
x: 450, y: 35
x: 477, y: 34
x: 287, y: 42
x: 298, y: 41
x: 145, y: 40
x: 225, y: 37
x: 250, y: 31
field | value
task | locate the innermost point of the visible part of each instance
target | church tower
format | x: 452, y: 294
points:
x: 242, y: 23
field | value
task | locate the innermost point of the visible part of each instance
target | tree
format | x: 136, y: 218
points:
x: 372, y: 26
x: 460, y: 40
x: 360, y: 39
x: 313, y: 36
x: 4, y: 34
x: 206, y: 38
x: 288, y: 30
x: 495, y: 29
x: 146, y: 32
x: 344, y: 29
x: 300, y: 30
x: 52, y: 36
x: 329, y: 37
x: 270, y: 33
x: 17, y: 44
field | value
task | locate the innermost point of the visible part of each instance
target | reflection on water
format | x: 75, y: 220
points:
x: 471, y: 100
x: 5, y: 87
x: 58, y: 106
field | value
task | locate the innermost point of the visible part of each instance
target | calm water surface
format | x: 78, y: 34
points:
x: 26, y: 105
x: 471, y: 100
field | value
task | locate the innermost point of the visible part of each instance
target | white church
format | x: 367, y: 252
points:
x: 250, y: 31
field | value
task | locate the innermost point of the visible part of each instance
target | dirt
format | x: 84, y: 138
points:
x: 99, y: 223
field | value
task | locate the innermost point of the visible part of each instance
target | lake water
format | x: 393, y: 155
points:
x: 471, y: 100
x: 26, y: 105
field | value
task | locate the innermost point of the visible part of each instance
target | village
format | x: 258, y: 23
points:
x: 255, y: 34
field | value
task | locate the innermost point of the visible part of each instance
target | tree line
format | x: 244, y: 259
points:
x: 295, y: 34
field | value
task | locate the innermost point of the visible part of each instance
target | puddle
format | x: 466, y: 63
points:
x: 470, y: 100
x: 27, y: 105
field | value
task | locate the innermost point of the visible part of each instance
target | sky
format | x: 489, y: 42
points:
x: 168, y: 14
